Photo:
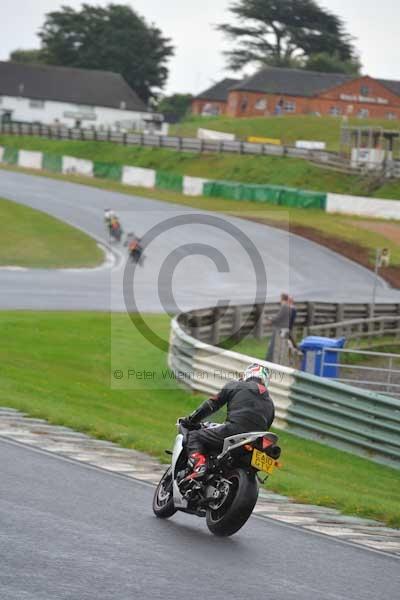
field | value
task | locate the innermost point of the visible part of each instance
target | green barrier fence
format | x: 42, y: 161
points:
x: 312, y: 199
x: 282, y: 196
x: 230, y: 190
x: 169, y: 181
x: 10, y: 155
x: 107, y: 171
x: 52, y: 162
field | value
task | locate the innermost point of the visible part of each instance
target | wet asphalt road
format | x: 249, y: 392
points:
x: 71, y: 532
x: 189, y: 265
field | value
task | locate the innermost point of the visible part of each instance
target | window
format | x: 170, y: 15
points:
x: 210, y: 110
x: 363, y: 113
x: 364, y: 90
x: 261, y: 104
x: 335, y: 111
x: 36, y: 103
x: 244, y: 103
x: 391, y: 116
x: 289, y: 107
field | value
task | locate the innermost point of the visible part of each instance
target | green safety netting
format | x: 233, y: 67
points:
x: 52, y: 162
x: 10, y: 155
x: 169, y: 181
x: 312, y: 199
x: 270, y: 194
x: 107, y: 171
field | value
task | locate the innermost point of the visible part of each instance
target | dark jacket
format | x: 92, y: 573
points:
x: 248, y: 404
x: 282, y: 318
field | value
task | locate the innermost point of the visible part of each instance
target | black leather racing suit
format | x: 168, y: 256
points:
x: 249, y: 408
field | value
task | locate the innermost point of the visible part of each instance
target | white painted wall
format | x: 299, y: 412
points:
x: 30, y: 160
x: 138, y: 176
x: 210, y: 134
x: 193, y: 186
x: 67, y: 114
x: 359, y: 205
x: 70, y: 164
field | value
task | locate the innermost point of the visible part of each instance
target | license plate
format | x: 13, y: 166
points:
x: 262, y: 462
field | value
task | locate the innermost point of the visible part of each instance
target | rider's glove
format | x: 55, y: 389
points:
x: 186, y: 422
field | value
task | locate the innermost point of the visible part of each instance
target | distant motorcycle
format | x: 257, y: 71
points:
x: 116, y: 231
x: 135, y: 249
x: 227, y: 494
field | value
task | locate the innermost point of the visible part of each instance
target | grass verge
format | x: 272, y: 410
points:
x: 247, y: 169
x: 338, y: 232
x: 58, y: 365
x: 287, y: 128
x: 32, y: 238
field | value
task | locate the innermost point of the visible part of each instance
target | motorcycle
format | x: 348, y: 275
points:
x: 135, y: 249
x: 228, y: 492
x: 115, y: 230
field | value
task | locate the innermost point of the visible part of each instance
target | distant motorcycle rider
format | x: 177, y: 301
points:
x: 249, y: 408
x: 109, y: 215
x: 135, y: 247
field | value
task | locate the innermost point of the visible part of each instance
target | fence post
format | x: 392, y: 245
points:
x: 215, y: 326
x: 259, y: 320
x: 237, y: 322
x: 310, y: 314
x: 339, y: 312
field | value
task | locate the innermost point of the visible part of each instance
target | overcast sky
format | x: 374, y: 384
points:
x: 198, y: 60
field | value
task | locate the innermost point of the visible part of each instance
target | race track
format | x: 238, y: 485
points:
x: 71, y: 532
x: 189, y: 265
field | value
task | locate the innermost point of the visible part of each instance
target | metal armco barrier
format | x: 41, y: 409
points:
x: 172, y: 142
x: 339, y: 415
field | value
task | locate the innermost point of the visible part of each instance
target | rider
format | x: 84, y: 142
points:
x: 109, y: 215
x: 134, y: 244
x: 249, y: 408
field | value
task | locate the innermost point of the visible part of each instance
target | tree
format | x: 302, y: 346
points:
x: 175, y: 107
x: 284, y: 32
x: 331, y: 63
x: 33, y: 56
x: 114, y: 38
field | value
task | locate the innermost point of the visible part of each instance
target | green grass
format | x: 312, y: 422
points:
x: 58, y: 366
x: 342, y: 227
x: 288, y: 128
x: 31, y: 238
x: 247, y: 169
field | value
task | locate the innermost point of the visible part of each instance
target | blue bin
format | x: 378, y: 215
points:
x: 312, y: 348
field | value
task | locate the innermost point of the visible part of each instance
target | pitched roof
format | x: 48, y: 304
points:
x: 65, y: 84
x: 293, y: 82
x: 219, y: 91
x: 390, y: 84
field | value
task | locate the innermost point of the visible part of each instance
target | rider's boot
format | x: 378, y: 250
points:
x: 197, y: 462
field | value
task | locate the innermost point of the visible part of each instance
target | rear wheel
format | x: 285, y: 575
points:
x: 163, y: 500
x: 236, y: 507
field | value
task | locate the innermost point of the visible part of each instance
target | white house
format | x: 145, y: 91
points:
x: 72, y: 97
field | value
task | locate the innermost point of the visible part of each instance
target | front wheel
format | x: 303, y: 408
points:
x: 163, y: 500
x: 235, y: 509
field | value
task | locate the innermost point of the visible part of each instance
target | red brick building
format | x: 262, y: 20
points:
x: 214, y: 100
x: 294, y: 91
